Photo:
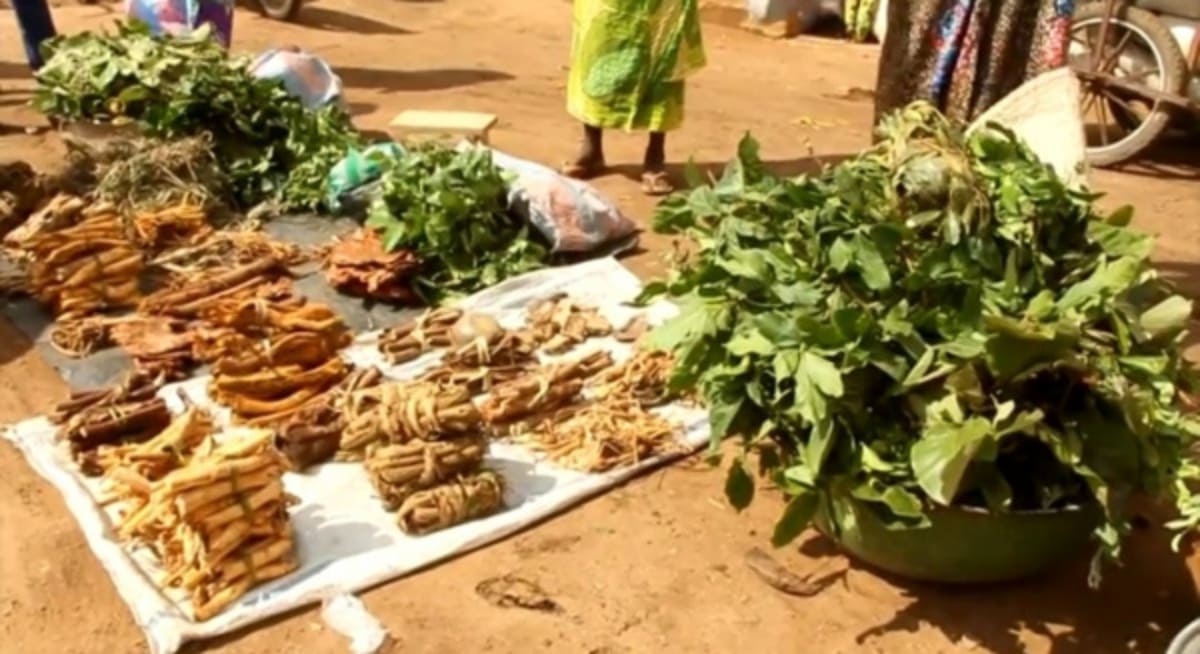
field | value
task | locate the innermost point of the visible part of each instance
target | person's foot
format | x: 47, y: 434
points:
x: 587, y: 166
x: 656, y: 183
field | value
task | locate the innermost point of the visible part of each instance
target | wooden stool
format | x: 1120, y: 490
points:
x: 473, y: 126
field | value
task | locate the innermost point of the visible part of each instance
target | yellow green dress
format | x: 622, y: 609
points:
x: 629, y: 59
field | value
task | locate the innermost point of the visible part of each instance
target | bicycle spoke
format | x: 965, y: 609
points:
x: 1102, y: 106
x: 1120, y: 47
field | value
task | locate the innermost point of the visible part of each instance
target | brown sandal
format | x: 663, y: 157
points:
x: 656, y: 183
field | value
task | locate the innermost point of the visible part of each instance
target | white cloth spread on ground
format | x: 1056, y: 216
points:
x: 346, y: 542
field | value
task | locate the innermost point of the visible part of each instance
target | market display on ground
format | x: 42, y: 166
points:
x: 936, y: 327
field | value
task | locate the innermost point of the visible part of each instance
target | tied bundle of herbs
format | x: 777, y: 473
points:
x: 449, y: 208
x: 936, y: 322
x: 271, y: 146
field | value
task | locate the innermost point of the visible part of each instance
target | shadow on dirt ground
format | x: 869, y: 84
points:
x: 388, y: 80
x: 1175, y: 159
x: 332, y: 20
x: 1058, y: 607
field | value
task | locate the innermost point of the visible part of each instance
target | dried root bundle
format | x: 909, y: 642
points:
x: 219, y: 524
x: 199, y: 294
x: 643, y: 377
x: 467, y: 498
x: 412, y: 339
x: 559, y: 323
x: 127, y: 412
x: 405, y: 411
x: 544, y: 389
x: 132, y: 467
x: 398, y: 471
x: 313, y: 433
x: 170, y: 227
x: 63, y: 210
x: 602, y: 435
x: 476, y: 380
x: 358, y: 265
x: 229, y: 248
x: 503, y: 349
x: 142, y: 173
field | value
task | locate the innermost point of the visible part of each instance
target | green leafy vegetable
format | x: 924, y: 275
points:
x: 450, y: 209
x: 938, y: 321
x: 269, y: 144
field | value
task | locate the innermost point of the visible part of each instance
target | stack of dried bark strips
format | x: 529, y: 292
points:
x: 314, y: 433
x: 127, y: 412
x: 219, y: 524
x: 279, y: 357
x: 424, y: 448
x: 358, y: 265
x: 86, y: 267
x: 130, y: 468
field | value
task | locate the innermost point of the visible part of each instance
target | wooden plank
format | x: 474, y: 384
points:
x: 443, y: 121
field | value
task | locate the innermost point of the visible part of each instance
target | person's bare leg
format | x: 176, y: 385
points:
x: 590, y: 161
x: 654, y: 166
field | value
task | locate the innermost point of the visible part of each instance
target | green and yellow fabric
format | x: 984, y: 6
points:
x: 629, y: 59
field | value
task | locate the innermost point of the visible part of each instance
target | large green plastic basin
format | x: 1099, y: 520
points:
x: 962, y: 545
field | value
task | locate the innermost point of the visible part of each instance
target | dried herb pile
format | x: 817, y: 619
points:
x: 269, y: 144
x: 938, y: 321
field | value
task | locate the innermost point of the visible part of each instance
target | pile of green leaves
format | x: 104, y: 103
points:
x: 270, y: 145
x: 450, y: 209
x: 938, y: 321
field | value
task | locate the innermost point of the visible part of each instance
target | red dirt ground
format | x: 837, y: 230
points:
x: 656, y: 565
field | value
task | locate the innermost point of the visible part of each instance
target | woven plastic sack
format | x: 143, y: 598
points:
x: 303, y: 74
x: 570, y: 214
x: 1044, y: 112
x: 356, y: 170
x: 180, y: 17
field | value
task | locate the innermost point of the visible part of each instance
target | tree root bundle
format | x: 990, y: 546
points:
x: 410, y: 340
x: 405, y: 411
x: 229, y: 248
x: 169, y: 227
x: 503, y: 349
x: 200, y: 294
x: 358, y: 265
x: 602, y: 435
x: 85, y: 268
x: 643, y: 377
x: 467, y: 498
x: 543, y: 389
x: 398, y: 471
x: 219, y: 524
x: 558, y: 324
x: 476, y: 380
x: 62, y: 211
x: 133, y: 466
x: 127, y: 412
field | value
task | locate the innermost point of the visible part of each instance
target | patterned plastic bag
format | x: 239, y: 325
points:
x: 303, y: 74
x: 570, y: 214
x: 178, y: 17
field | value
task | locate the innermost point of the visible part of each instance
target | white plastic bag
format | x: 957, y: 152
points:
x: 1045, y: 113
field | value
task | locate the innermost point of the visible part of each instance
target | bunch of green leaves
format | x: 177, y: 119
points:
x: 939, y: 321
x: 450, y: 209
x: 271, y: 146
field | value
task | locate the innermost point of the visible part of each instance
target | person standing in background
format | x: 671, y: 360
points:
x: 966, y: 55
x: 181, y: 17
x: 629, y: 62
x: 37, y: 26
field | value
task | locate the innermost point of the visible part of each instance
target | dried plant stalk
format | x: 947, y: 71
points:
x: 468, y: 498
